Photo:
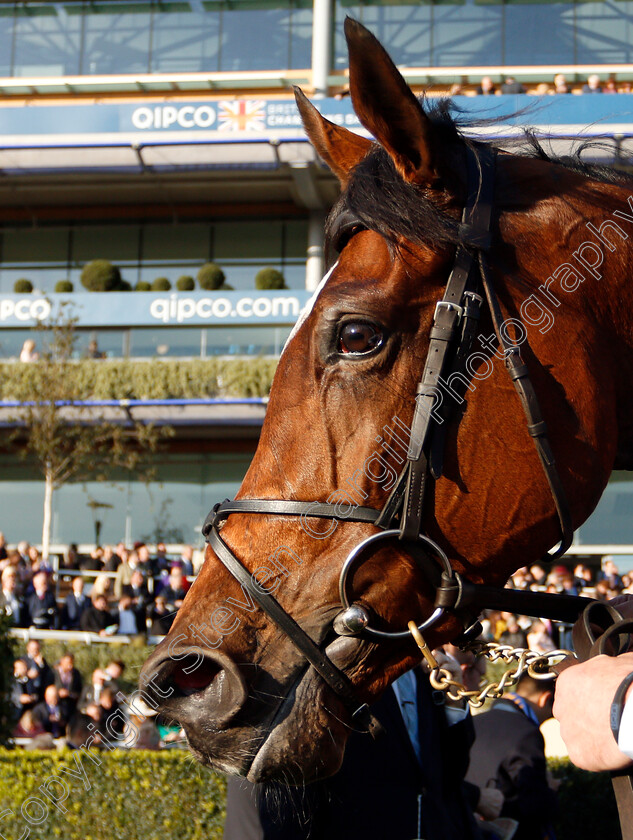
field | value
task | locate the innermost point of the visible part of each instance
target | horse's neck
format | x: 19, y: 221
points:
x: 598, y: 283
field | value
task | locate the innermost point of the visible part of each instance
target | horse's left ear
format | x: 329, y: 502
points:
x: 340, y: 148
x: 387, y: 106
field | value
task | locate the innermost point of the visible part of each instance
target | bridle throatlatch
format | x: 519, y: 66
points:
x: 454, y: 327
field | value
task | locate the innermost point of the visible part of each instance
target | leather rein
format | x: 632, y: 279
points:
x: 454, y: 328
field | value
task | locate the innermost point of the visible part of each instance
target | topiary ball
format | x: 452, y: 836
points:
x: 211, y: 277
x: 100, y: 276
x: 269, y: 278
x: 122, y: 286
x: 185, y: 283
x: 161, y: 284
x: 143, y: 286
x: 22, y: 286
x: 64, y: 286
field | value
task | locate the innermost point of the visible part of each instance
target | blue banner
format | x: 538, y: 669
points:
x: 142, y: 309
x: 247, y: 119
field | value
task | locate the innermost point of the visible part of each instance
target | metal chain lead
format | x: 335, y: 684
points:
x: 538, y: 665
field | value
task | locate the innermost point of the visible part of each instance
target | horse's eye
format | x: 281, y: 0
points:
x: 359, y: 338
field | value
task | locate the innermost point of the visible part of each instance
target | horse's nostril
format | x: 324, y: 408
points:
x: 189, y: 677
x: 189, y: 687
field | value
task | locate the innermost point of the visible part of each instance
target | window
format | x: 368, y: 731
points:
x: 185, y: 38
x: 47, y: 39
x: 117, y: 37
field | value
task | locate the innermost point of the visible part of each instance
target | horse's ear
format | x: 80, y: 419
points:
x: 340, y: 148
x: 387, y: 106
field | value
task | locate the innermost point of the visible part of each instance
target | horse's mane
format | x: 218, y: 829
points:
x: 387, y: 204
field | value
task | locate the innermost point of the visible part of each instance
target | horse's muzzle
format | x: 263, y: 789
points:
x: 190, y: 685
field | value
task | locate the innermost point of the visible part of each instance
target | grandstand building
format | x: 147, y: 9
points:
x: 163, y: 135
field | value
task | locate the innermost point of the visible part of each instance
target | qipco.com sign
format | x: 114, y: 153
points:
x: 18, y: 311
x: 173, y: 116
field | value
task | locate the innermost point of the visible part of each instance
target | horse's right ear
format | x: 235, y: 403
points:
x: 340, y: 148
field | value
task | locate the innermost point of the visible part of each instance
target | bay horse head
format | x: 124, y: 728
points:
x: 368, y: 442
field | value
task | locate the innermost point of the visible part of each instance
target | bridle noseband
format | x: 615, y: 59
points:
x: 454, y: 327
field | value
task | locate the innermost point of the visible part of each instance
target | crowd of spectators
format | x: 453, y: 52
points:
x: 559, y: 85
x: 135, y: 591
x: 543, y: 635
x: 131, y: 592
x: 55, y: 706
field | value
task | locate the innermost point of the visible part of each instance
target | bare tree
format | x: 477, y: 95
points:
x: 68, y: 440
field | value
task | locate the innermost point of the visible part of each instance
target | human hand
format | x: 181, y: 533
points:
x: 582, y: 705
x: 490, y: 803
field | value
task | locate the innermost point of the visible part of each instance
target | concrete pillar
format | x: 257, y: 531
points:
x: 315, y: 262
x: 321, y: 46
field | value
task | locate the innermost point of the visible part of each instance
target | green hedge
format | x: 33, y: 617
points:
x: 587, y: 808
x: 138, y: 795
x: 135, y: 795
x: 124, y: 379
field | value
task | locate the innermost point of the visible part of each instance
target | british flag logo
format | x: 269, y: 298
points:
x: 242, y: 115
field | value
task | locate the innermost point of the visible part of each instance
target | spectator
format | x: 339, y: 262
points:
x: 3, y: 547
x: 97, y: 618
x: 124, y: 571
x: 93, y: 351
x: 593, y: 85
x: 456, y: 90
x: 174, y: 591
x: 92, y: 562
x: 148, y: 734
x: 111, y: 559
x: 113, y: 674
x: 539, y: 639
x: 542, y: 89
x: 10, y: 599
x: 603, y: 591
x: 625, y: 88
x: 161, y: 617
x: 137, y: 590
x: 609, y: 86
x: 511, y: 86
x: 93, y: 711
x: 101, y: 586
x: 508, y: 754
x: 186, y: 560
x: 610, y: 574
x: 41, y: 605
x: 39, y: 669
x: 49, y: 714
x: 569, y: 585
x: 71, y: 558
x: 28, y: 352
x: 161, y: 561
x: 583, y: 576
x: 27, y: 726
x: 539, y: 575
x: 126, y: 617
x: 78, y: 732
x: 145, y: 562
x: 74, y: 605
x: 513, y: 635
x: 486, y: 87
x: 25, y: 691
x: 23, y: 561
x: 38, y: 564
x: 69, y: 684
x: 91, y: 694
x: 111, y: 723
x: 560, y: 84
